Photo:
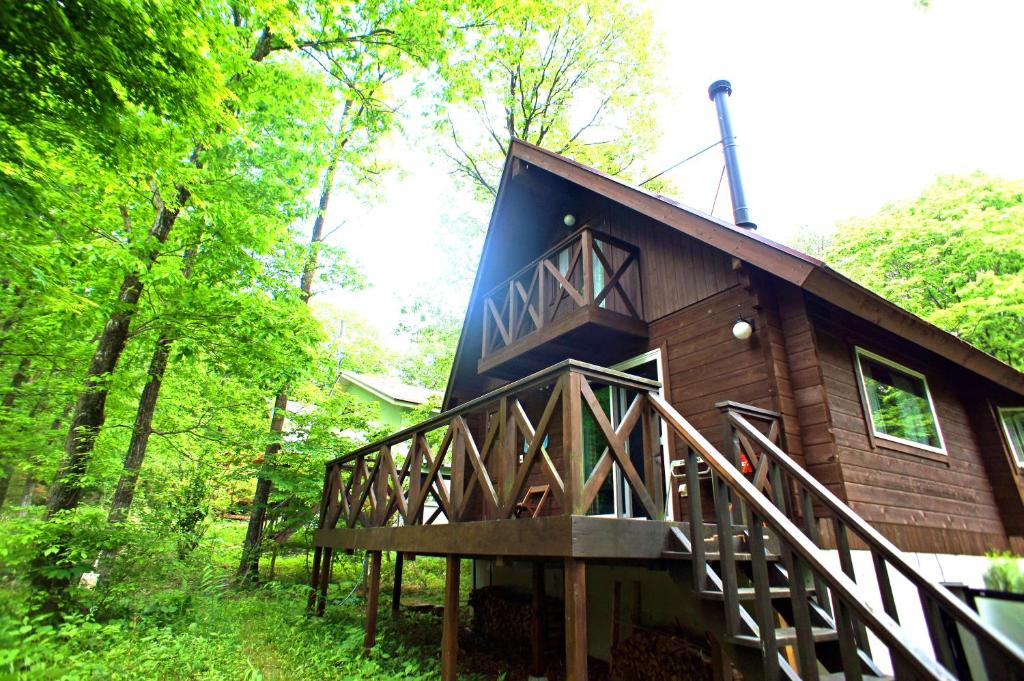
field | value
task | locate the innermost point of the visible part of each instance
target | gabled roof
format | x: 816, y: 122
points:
x: 390, y: 390
x: 784, y: 262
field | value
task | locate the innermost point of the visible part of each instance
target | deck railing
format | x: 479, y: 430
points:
x: 826, y: 615
x: 478, y: 461
x: 588, y: 268
x: 781, y: 492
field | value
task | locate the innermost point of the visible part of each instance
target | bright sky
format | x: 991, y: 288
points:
x: 838, y: 108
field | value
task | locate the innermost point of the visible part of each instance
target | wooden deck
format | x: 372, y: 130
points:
x: 565, y: 536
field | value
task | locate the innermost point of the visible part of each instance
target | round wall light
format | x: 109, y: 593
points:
x: 742, y: 329
x: 569, y: 220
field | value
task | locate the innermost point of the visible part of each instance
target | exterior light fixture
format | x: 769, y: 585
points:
x: 743, y: 329
x: 569, y: 220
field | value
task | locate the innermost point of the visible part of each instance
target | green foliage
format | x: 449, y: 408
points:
x: 1004, y: 573
x: 182, y: 618
x: 574, y: 77
x: 954, y: 256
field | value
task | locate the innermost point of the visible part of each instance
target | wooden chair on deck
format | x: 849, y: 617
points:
x: 533, y: 501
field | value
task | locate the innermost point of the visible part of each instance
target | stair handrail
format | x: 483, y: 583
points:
x: 843, y: 588
x: 877, y: 543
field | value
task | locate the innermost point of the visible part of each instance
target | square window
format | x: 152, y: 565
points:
x: 898, y: 402
x: 1013, y: 426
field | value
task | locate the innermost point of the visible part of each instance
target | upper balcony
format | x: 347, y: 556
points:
x: 580, y: 299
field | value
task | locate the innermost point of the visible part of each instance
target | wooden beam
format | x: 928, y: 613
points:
x: 537, y: 622
x: 450, y: 631
x: 558, y: 536
x: 575, y: 620
x: 372, y: 598
x: 396, y: 591
x: 325, y: 579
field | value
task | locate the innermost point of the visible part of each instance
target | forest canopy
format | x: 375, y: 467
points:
x: 169, y: 370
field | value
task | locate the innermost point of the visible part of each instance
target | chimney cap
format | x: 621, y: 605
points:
x: 719, y: 86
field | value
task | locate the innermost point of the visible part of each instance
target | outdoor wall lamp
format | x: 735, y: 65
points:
x: 743, y: 329
x: 569, y: 220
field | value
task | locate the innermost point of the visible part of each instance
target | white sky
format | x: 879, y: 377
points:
x: 838, y: 107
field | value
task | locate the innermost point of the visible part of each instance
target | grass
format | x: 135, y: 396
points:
x: 167, y: 619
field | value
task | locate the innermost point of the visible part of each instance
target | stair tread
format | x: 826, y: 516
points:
x: 746, y: 593
x: 741, y: 556
x: 786, y: 636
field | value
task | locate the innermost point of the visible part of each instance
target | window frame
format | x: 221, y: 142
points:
x: 858, y: 353
x: 1018, y: 456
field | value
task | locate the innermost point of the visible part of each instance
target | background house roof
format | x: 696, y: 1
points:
x: 390, y: 389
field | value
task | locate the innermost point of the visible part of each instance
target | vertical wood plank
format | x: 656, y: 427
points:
x: 726, y: 555
x: 700, y: 564
x: 538, y: 618
x: 542, y: 305
x: 806, y: 652
x: 634, y: 611
x: 575, y: 620
x: 587, y: 258
x: 458, y: 470
x: 314, y: 579
x: 450, y: 624
x: 616, y: 611
x: 572, y: 438
x: 762, y: 595
x: 415, y: 479
x: 396, y: 591
x: 372, y: 599
x: 846, y: 562
x: 811, y: 530
x: 884, y: 587
x: 325, y: 579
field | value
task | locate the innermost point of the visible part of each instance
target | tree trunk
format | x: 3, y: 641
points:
x: 249, y: 565
x: 17, y: 380
x: 140, y: 433
x: 89, y: 413
x: 28, y: 491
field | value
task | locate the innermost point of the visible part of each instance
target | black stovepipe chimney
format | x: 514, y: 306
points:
x: 741, y: 213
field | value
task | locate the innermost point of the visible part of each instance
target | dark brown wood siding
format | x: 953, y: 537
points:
x: 677, y: 270
x: 921, y: 501
x: 705, y: 364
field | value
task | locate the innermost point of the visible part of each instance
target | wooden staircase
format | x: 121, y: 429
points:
x: 766, y: 591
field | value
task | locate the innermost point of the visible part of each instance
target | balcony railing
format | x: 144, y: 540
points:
x: 477, y: 461
x: 588, y: 269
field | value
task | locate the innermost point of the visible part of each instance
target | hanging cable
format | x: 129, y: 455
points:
x: 688, y: 158
x: 715, y: 202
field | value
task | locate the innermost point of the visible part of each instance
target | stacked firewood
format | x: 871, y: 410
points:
x: 658, y: 655
x: 501, y: 614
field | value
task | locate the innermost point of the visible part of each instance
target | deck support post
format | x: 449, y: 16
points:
x: 538, y: 619
x: 450, y: 631
x: 396, y: 591
x: 372, y: 598
x: 325, y: 579
x: 575, y: 620
x: 314, y: 579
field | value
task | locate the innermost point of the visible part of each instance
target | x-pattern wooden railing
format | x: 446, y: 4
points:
x: 764, y: 506
x: 477, y: 460
x: 587, y: 268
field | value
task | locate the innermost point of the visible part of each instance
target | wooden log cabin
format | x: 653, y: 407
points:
x: 647, y: 400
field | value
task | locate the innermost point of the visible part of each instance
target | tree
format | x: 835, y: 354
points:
x: 953, y: 256
x: 576, y: 78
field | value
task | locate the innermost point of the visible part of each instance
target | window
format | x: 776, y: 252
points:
x: 1013, y: 425
x: 898, y: 403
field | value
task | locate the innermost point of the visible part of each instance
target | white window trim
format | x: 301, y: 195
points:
x: 1017, y: 454
x: 659, y: 360
x: 861, y: 352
